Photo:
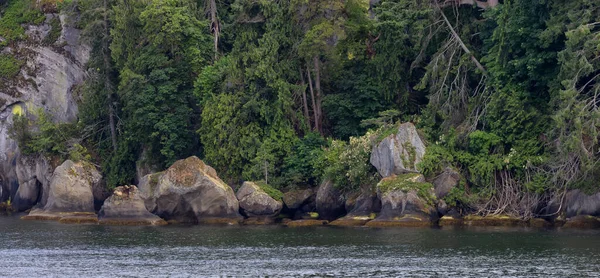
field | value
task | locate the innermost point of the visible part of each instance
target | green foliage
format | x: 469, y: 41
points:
x: 302, y: 166
x: 55, y: 31
x: 347, y: 164
x: 44, y: 136
x: 9, y: 66
x: 272, y: 192
x: 18, y: 12
x: 406, y: 183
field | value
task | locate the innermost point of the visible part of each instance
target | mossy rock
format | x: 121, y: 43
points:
x: 306, y: 223
x: 404, y: 221
x: 447, y: 220
x: 582, y: 222
x: 219, y: 221
x: 257, y: 221
x: 539, y: 223
x: 79, y: 219
x: 406, y: 183
x: 494, y: 220
x: 133, y: 222
x: 351, y: 221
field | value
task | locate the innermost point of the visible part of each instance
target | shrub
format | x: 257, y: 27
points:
x: 18, y: 12
x: 9, y: 66
x: 347, y: 164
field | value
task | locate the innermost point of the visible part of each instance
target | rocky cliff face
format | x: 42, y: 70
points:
x: 53, y: 69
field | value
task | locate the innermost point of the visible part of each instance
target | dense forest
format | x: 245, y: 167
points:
x: 293, y: 92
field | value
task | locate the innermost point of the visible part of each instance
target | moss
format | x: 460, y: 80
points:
x: 55, y: 31
x: 9, y: 66
x: 407, y: 221
x: 406, y: 183
x: 18, y: 12
x: 272, y: 192
x: 386, y: 131
x: 313, y: 215
x: 306, y: 223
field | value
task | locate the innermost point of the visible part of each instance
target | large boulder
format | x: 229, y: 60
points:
x: 330, y: 202
x: 296, y: 199
x: 190, y: 191
x: 361, y: 208
x: 444, y: 182
x: 126, y: 207
x: 398, y: 153
x: 579, y: 203
x: 256, y: 203
x: 70, y: 192
x: 71, y: 188
x: 34, y: 174
x: 406, y: 200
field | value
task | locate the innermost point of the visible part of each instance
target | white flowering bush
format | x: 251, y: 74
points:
x: 347, y: 163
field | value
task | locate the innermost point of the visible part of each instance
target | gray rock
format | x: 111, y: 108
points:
x: 126, y: 207
x: 71, y: 188
x: 579, y: 203
x: 398, y: 153
x: 296, y: 199
x: 330, y: 202
x: 190, y: 191
x: 403, y: 200
x: 445, y: 182
x: 364, y: 205
x: 254, y: 202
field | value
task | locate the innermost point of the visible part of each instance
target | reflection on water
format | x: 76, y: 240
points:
x: 37, y: 249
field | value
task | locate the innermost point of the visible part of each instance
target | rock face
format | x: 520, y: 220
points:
x: 126, y: 207
x: 51, y: 73
x: 445, y: 182
x: 330, y: 202
x: 406, y: 200
x: 190, y: 191
x: 255, y: 202
x: 398, y: 153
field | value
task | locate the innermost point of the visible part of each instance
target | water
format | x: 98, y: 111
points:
x: 46, y: 249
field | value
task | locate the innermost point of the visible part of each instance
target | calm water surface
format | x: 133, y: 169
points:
x: 43, y: 249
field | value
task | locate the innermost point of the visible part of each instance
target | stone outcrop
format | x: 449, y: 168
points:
x: 330, y: 202
x: 406, y: 200
x: 444, y: 182
x: 48, y: 80
x: 256, y: 203
x: 190, y: 191
x: 398, y: 153
x: 296, y: 199
x: 33, y: 174
x: 126, y: 207
x: 579, y: 203
x: 363, y: 209
x: 70, y: 192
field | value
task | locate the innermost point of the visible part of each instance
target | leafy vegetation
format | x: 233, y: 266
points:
x: 9, y: 66
x: 293, y: 92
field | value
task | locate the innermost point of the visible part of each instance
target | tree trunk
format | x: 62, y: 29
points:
x: 319, y: 96
x: 107, y: 84
x: 462, y: 44
x: 312, y: 96
x: 304, y: 101
x: 214, y: 24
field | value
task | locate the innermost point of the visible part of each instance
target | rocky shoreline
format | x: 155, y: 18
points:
x: 190, y: 191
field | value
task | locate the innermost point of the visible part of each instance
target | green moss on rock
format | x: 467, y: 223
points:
x: 272, y: 192
x: 409, y: 182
